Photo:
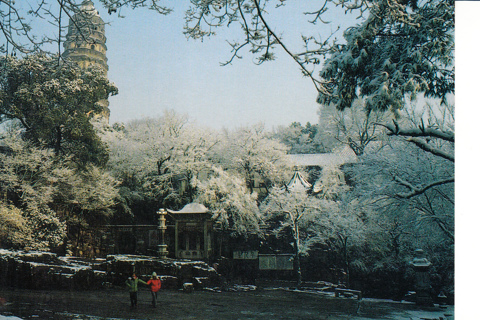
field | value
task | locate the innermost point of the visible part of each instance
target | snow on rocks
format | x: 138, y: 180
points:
x: 44, y: 270
x: 172, y: 272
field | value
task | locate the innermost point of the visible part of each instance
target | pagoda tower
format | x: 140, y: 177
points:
x: 85, y: 43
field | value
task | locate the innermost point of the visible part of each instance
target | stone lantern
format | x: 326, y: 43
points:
x: 162, y: 226
x: 421, y: 265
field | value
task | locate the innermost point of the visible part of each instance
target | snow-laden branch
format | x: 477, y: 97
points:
x: 426, y: 147
x: 419, y: 132
x: 417, y: 190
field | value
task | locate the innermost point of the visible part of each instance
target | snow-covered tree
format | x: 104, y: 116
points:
x: 401, y: 50
x: 377, y: 178
x: 158, y: 159
x: 54, y: 104
x: 296, y: 214
x: 345, y: 227
x: 27, y: 176
x: 14, y: 231
x: 49, y: 194
x: 306, y: 139
x: 234, y: 209
x: 356, y: 126
x: 431, y: 130
x: 331, y: 184
x: 255, y: 156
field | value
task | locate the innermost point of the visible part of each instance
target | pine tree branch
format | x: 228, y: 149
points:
x: 426, y: 147
x: 421, y: 131
x: 417, y: 190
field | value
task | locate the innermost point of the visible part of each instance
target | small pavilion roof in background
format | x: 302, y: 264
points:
x: 335, y: 158
x: 298, y: 183
x: 190, y: 208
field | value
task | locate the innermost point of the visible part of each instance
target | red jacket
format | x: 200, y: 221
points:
x: 155, y: 284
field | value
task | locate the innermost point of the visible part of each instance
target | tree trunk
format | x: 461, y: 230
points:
x: 347, y: 265
x: 58, y: 140
x: 296, y: 261
x: 221, y: 243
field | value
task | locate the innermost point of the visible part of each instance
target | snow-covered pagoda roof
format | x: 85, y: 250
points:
x: 298, y: 183
x: 335, y: 158
x: 88, y: 7
x: 190, y: 208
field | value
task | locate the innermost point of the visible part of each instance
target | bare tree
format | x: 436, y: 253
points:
x: 355, y: 127
x: 18, y: 18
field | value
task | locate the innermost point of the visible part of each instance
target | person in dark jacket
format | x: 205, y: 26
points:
x: 132, y: 284
x: 155, y: 284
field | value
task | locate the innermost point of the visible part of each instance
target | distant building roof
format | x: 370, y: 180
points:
x: 335, y: 158
x: 190, y: 208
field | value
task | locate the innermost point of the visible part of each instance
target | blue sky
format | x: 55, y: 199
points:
x: 156, y: 68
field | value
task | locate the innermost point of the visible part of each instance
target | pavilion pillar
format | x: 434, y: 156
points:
x: 162, y: 227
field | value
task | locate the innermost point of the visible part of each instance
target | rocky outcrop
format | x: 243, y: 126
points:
x: 172, y: 272
x: 43, y: 270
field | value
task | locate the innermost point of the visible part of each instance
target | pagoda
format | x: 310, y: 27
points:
x: 85, y: 43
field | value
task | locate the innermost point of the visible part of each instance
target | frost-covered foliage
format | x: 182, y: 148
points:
x: 14, y: 232
x: 408, y: 186
x: 328, y: 217
x: 166, y: 154
x: 170, y: 162
x: 331, y: 183
x: 157, y: 159
x: 307, y: 139
x: 54, y: 104
x: 376, y: 179
x: 28, y: 176
x: 414, y: 172
x: 296, y: 215
x: 256, y: 156
x: 402, y: 49
x: 233, y: 207
x: 356, y: 126
x: 51, y: 156
x: 86, y: 198
x: 405, y: 183
x: 44, y: 194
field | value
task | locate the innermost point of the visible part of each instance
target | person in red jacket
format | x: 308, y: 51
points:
x: 155, y: 285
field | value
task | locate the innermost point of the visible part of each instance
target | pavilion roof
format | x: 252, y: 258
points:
x: 298, y: 183
x: 190, y: 208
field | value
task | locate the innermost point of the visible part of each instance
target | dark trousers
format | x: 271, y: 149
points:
x: 154, y: 298
x: 133, y: 299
